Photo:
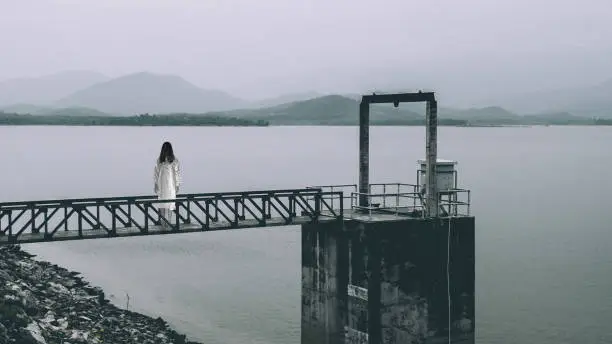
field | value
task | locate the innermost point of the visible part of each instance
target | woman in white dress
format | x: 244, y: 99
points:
x: 167, y: 179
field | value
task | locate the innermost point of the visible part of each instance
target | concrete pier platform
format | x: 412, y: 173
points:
x: 386, y: 279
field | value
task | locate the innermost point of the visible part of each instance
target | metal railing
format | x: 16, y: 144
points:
x: 340, y: 193
x: 408, y: 200
x: 108, y: 217
x: 205, y: 211
x: 402, y: 191
x: 455, y: 202
x: 394, y: 205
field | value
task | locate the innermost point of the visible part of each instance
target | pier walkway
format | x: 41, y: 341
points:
x: 89, y: 218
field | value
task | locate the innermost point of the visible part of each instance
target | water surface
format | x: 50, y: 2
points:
x: 540, y: 195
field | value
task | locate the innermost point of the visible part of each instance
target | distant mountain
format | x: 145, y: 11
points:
x: 480, y: 114
x: 555, y: 118
x: 75, y: 111
x: 325, y: 110
x: 286, y: 98
x: 46, y: 89
x: 341, y: 110
x: 150, y: 93
x: 593, y: 101
x: 494, y: 115
x: 27, y: 109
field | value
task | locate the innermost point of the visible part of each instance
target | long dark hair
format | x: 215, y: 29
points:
x: 166, y: 154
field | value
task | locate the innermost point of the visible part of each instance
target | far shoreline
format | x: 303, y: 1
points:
x: 297, y: 125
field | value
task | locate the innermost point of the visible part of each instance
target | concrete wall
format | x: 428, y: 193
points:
x: 324, y: 283
x: 412, y: 267
x: 386, y: 282
x: 360, y: 285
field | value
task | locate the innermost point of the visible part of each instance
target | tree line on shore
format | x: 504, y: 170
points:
x: 138, y: 120
x: 225, y: 119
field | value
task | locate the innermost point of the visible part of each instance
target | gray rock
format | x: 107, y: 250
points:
x: 63, y: 308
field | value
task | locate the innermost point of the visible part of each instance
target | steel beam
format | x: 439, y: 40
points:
x: 399, y: 98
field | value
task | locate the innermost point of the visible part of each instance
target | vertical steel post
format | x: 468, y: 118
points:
x: 364, y: 153
x: 146, y: 217
x: 431, y: 152
x: 34, y: 214
x: 177, y: 215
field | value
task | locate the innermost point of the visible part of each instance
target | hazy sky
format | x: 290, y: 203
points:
x: 257, y: 48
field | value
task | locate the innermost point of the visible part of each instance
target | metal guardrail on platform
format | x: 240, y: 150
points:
x: 113, y: 214
x: 455, y: 202
x: 340, y: 193
x: 400, y: 199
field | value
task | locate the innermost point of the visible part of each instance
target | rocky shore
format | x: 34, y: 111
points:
x: 41, y: 302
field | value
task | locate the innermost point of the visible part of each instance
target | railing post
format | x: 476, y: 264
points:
x: 342, y: 205
x: 216, y: 208
x: 10, y: 225
x: 384, y: 195
x: 317, y: 205
x: 80, y: 220
x: 397, y: 200
x: 114, y: 219
x: 146, y: 216
x: 263, y: 210
x: 129, y: 212
x: 46, y: 222
x: 98, y: 215
x: 66, y: 218
x: 398, y: 192
x: 243, y: 215
x: 236, y: 212
x: 33, y: 214
x: 189, y: 210
x: 177, y: 215
x: 207, y: 207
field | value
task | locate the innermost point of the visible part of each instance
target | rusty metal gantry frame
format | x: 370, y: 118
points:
x: 431, y: 138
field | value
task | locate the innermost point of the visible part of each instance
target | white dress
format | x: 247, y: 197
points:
x: 167, y: 177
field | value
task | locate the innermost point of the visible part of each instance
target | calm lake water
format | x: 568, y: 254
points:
x: 542, y: 198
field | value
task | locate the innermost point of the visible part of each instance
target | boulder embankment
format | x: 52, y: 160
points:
x: 41, y: 302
